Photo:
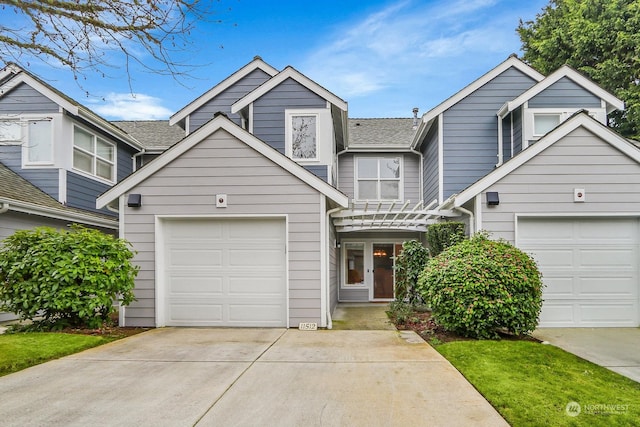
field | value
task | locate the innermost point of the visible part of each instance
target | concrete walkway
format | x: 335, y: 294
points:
x: 617, y: 349
x: 248, y: 377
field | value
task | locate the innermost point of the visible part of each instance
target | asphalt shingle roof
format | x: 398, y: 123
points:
x: 381, y: 132
x: 152, y: 133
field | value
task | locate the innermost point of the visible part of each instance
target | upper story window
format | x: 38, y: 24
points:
x: 93, y: 155
x: 543, y: 123
x: 378, y: 178
x: 38, y: 146
x: 303, y: 135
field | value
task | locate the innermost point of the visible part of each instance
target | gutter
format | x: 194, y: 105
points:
x: 4, y: 207
x: 29, y: 208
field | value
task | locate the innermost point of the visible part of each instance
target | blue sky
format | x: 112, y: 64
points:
x: 382, y: 57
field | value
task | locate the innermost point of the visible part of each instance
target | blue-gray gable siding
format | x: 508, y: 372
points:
x: 225, y: 99
x: 470, y: 130
x: 506, y: 137
x: 45, y: 179
x: 430, y: 165
x: 320, y: 171
x: 565, y: 93
x: 268, y: 110
x: 517, y: 131
x: 25, y: 99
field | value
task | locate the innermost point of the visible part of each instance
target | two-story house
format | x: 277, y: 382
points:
x: 274, y: 205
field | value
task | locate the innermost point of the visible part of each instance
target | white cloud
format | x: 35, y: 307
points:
x: 127, y: 106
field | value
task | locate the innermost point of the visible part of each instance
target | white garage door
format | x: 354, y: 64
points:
x: 224, y: 272
x: 589, y: 267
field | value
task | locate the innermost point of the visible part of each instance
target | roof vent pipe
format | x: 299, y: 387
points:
x: 415, y: 118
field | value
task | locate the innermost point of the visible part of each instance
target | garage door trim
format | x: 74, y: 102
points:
x: 160, y: 281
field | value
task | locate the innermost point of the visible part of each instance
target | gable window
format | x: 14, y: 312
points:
x: 544, y: 123
x: 378, y: 178
x: 93, y: 155
x: 38, y: 148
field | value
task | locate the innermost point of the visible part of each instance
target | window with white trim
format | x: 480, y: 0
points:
x: 378, y: 178
x: 38, y: 147
x: 544, y: 123
x: 93, y: 155
x: 354, y: 264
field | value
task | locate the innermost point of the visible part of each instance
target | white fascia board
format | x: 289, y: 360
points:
x: 287, y: 73
x: 193, y: 139
x: 579, y: 120
x: 576, y: 77
x: 60, y: 214
x: 512, y: 61
x: 257, y: 63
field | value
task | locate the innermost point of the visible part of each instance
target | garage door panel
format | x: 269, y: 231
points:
x: 589, y: 268
x: 225, y: 272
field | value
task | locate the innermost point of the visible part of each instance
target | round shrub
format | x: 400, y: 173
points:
x: 69, y: 277
x: 480, y: 286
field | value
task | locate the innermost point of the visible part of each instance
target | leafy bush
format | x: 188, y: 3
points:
x: 400, y: 312
x: 444, y: 234
x: 70, y: 277
x: 408, y: 266
x: 480, y: 286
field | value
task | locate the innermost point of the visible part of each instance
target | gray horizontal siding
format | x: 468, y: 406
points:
x: 565, y: 93
x: 546, y: 183
x: 517, y: 131
x: 25, y: 99
x: 470, y: 130
x: 220, y: 164
x: 268, y: 110
x: 225, y: 99
x: 124, y: 161
x: 354, y: 295
x: 431, y: 166
x: 82, y: 193
x: 45, y: 179
x: 320, y: 171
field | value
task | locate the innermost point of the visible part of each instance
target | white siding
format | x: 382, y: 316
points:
x: 221, y: 164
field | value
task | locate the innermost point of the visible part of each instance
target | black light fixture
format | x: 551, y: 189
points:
x: 134, y: 200
x: 492, y: 198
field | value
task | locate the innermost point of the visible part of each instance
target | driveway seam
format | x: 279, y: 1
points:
x: 237, y: 378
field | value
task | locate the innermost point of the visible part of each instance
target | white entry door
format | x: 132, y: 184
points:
x: 589, y: 267
x: 224, y: 272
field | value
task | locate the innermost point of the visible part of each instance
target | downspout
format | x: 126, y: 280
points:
x: 471, y: 218
x: 500, y: 142
x: 4, y: 207
x: 328, y: 296
x: 133, y: 158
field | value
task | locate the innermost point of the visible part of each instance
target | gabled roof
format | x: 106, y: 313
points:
x: 152, y: 134
x: 429, y: 117
x: 580, y: 119
x: 380, y: 133
x: 73, y: 107
x: 221, y: 122
x: 288, y: 73
x: 257, y: 63
x: 613, y: 103
x: 22, y: 196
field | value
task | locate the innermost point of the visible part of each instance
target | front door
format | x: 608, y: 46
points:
x: 383, y: 270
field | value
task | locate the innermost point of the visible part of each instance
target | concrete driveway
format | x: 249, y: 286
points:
x: 247, y: 377
x: 617, y: 349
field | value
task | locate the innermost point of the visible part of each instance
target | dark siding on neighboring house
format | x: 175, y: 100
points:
x: 506, y: 138
x: 517, y: 131
x: 24, y: 99
x: 470, y: 130
x: 45, y: 179
x: 125, y: 161
x: 320, y: 171
x: 83, y: 191
x: 565, y: 93
x: 224, y: 100
x: 268, y: 111
x: 430, y: 165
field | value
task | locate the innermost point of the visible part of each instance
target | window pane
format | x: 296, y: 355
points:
x: 82, y: 161
x: 389, y: 190
x: 104, y: 150
x: 367, y: 168
x: 10, y: 130
x: 303, y: 138
x: 390, y: 168
x: 83, y: 139
x: 543, y: 123
x: 104, y: 169
x: 39, y: 144
x: 354, y: 253
x: 368, y: 190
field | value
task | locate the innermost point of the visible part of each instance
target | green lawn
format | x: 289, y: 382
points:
x: 21, y: 350
x: 531, y: 384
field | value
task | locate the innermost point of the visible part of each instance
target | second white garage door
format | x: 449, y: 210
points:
x: 589, y: 267
x: 224, y: 272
